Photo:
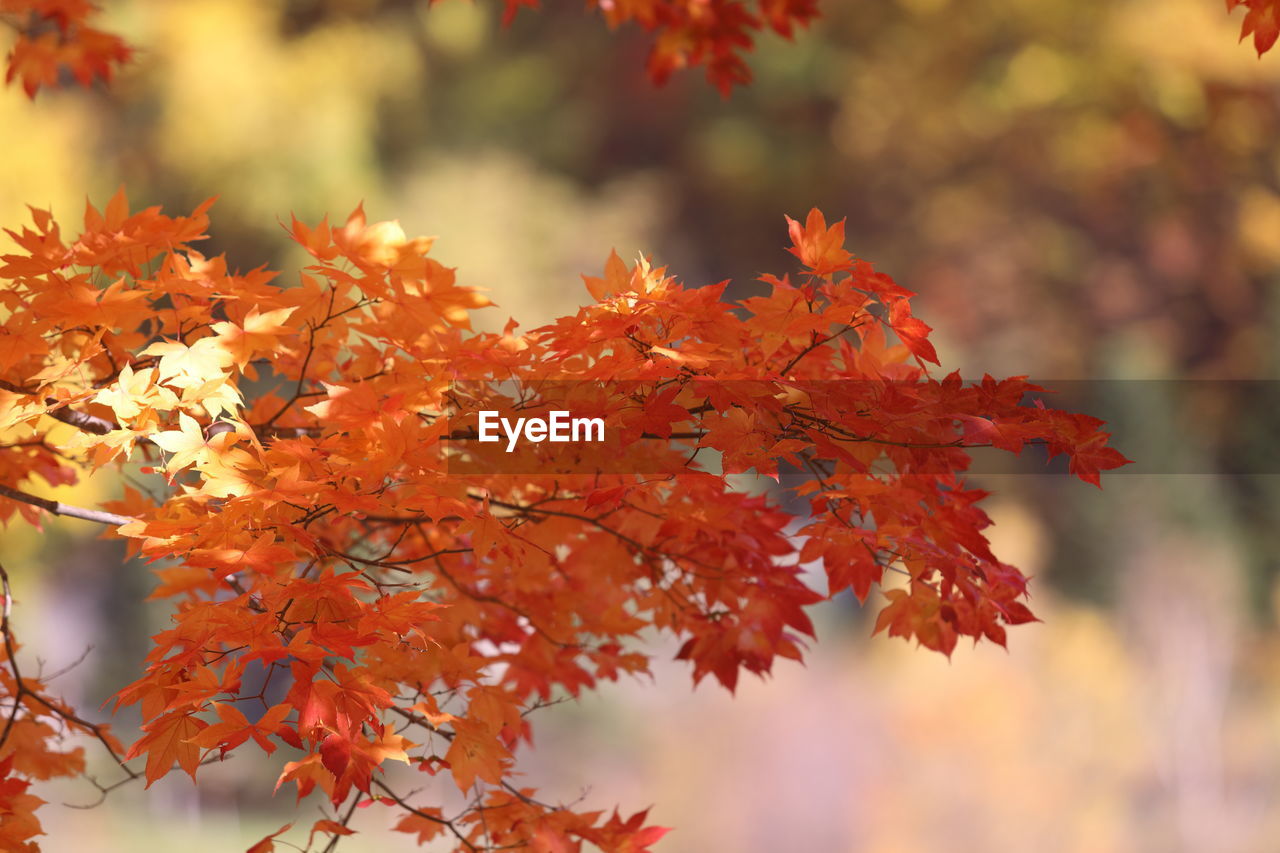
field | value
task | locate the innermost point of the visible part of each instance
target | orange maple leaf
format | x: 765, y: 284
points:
x: 1261, y: 20
x: 818, y: 247
x: 168, y: 740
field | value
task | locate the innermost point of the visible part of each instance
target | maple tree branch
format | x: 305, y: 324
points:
x: 397, y: 565
x: 416, y: 720
x: 60, y: 411
x: 521, y: 795
x: 473, y: 435
x: 59, y: 508
x: 104, y: 790
x: 344, y: 821
x: 490, y: 599
x: 382, y: 786
x: 22, y: 690
x: 101, y: 426
x: 597, y: 523
x: 302, y: 374
x: 10, y: 656
x: 817, y: 342
x: 261, y: 523
x: 81, y: 420
x: 846, y: 435
x: 42, y: 444
x: 298, y: 393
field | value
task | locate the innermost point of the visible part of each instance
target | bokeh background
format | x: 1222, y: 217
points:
x: 1078, y: 190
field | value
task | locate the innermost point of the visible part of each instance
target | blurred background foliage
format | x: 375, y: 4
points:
x: 1078, y: 191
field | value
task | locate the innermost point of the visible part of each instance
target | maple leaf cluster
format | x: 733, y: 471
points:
x: 342, y: 596
x: 692, y: 33
x: 1261, y: 20
x: 710, y: 33
x: 55, y: 38
x: 33, y: 743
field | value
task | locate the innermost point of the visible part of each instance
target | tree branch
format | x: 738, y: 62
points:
x: 79, y: 420
x: 58, y: 508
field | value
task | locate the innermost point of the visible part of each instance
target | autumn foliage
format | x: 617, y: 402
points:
x: 1261, y: 20
x: 55, y: 37
x: 711, y: 33
x: 363, y: 591
x: 296, y: 437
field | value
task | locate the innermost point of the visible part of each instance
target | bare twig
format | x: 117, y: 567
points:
x: 59, y: 508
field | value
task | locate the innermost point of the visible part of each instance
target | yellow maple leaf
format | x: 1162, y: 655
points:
x: 132, y: 392
x: 258, y: 334
x: 185, y: 366
x: 187, y: 443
